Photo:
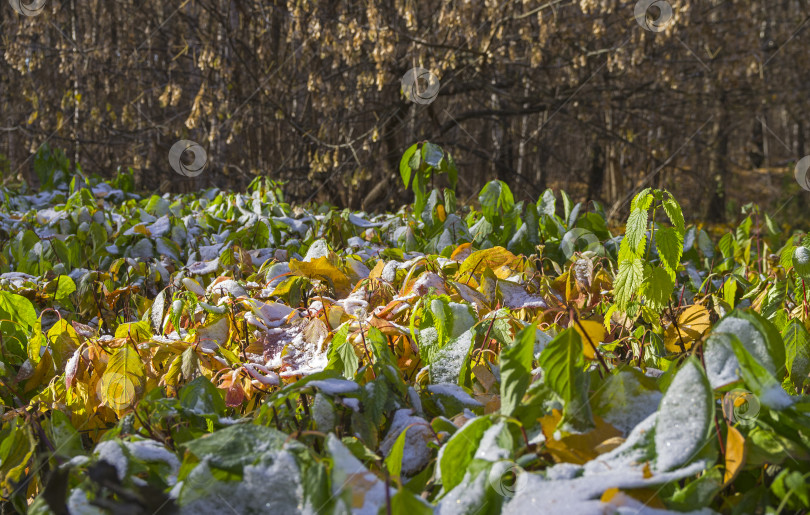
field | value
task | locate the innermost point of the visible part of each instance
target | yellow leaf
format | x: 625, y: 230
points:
x: 376, y: 272
x: 441, y: 212
x: 594, y: 331
x: 619, y: 498
x: 692, y: 324
x: 576, y: 448
x: 736, y: 450
x: 321, y: 268
x: 142, y: 229
x: 609, y: 494
x: 480, y: 260
x: 123, y: 380
x: 462, y: 252
x: 43, y: 371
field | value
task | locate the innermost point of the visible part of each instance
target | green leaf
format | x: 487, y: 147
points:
x: 675, y: 215
x: 16, y: 450
x: 669, y: 243
x: 636, y: 231
x: 18, y: 308
x: 730, y: 291
x: 642, y: 200
x: 726, y: 245
x: 457, y: 454
x: 432, y: 154
x: 563, y: 367
x: 797, y: 350
x: 202, y: 397
x: 516, y: 366
x: 62, y: 434
x: 657, y: 288
x: 405, y: 169
x: 404, y: 502
x: 342, y: 357
x: 394, y: 460
x: 546, y: 205
x: 65, y: 286
x: 685, y: 417
x: 235, y: 446
x: 764, y: 385
x: 791, y: 486
x: 628, y: 281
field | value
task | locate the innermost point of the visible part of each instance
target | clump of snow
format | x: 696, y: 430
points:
x: 226, y: 287
x: 541, y: 339
x: 775, y: 397
x: 318, y: 249
x: 351, y: 403
x: 467, y: 497
x: 463, y: 318
x: 489, y: 448
x: 416, y: 453
x: 323, y: 412
x: 112, y: 452
x: 334, y: 386
x: 454, y: 391
x: 79, y: 504
x: 271, y: 486
x: 515, y: 296
x: 571, y: 489
x: 447, y: 363
x: 751, y: 339
x: 152, y: 451
x: 302, y: 357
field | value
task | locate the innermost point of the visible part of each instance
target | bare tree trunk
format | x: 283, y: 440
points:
x: 718, y: 165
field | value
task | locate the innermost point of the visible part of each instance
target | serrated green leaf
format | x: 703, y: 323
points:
x: 636, y: 231
x: 628, y: 281
x: 669, y: 243
x: 563, y: 366
x: 675, y: 215
x: 657, y: 288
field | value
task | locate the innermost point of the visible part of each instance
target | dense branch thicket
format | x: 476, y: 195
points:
x: 572, y: 94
